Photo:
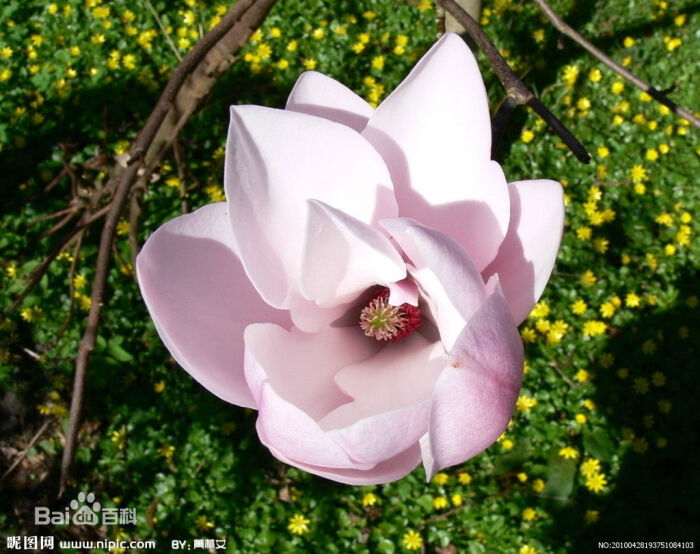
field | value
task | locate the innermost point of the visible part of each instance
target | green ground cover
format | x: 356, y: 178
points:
x: 603, y: 444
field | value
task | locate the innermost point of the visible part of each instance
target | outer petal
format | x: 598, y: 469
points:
x: 475, y: 396
x: 452, y: 286
x: 316, y: 94
x: 389, y: 470
x: 201, y: 300
x: 291, y: 377
x: 301, y: 367
x: 344, y: 256
x: 275, y: 161
x: 527, y: 255
x: 391, y: 399
x: 434, y: 132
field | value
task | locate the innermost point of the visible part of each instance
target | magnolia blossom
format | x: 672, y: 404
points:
x: 362, y: 284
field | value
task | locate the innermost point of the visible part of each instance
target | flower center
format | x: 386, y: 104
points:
x: 388, y: 323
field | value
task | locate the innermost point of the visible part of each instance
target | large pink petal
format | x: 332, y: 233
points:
x: 201, y: 300
x: 527, y: 255
x: 434, y: 132
x: 316, y: 94
x: 391, y: 399
x: 275, y: 161
x: 475, y: 395
x: 453, y: 289
x: 291, y: 375
x: 343, y: 256
x: 385, y: 472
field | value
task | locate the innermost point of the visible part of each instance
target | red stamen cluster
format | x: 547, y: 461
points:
x: 406, y: 318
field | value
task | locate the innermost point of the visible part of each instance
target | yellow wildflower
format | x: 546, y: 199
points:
x: 369, y: 499
x: 569, y: 453
x: 298, y: 524
x: 412, y: 540
x: 593, y: 328
x: 596, y: 483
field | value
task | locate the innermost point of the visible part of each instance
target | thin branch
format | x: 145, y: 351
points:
x: 54, y: 215
x: 134, y: 214
x: 71, y: 287
x: 515, y: 88
x: 38, y: 272
x: 59, y: 225
x: 240, y: 21
x: 24, y: 452
x: 177, y: 150
x: 440, y: 20
x: 443, y: 515
x: 656, y: 94
x: 163, y: 30
x: 499, y: 122
x: 560, y: 371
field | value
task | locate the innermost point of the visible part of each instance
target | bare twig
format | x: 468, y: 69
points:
x: 574, y: 35
x: 54, y: 215
x: 443, y: 515
x: 38, y: 272
x: 24, y: 452
x: 440, y: 20
x: 134, y: 214
x: 177, y: 150
x: 58, y: 225
x: 71, y: 287
x: 499, y: 122
x: 560, y: 371
x: 163, y: 30
x: 237, y: 25
x: 515, y: 88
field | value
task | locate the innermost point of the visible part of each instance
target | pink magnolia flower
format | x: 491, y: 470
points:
x: 362, y: 285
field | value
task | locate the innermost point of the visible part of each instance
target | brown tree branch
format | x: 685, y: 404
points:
x: 163, y: 30
x: 574, y: 35
x: 134, y: 213
x: 515, y: 88
x: 38, y: 272
x: 26, y: 450
x: 235, y: 28
x: 71, y: 287
x: 181, y: 176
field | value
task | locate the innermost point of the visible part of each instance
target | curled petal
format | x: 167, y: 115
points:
x: 316, y: 94
x: 475, y: 395
x: 201, y: 300
x: 403, y: 292
x: 391, y: 399
x: 434, y: 132
x: 385, y: 472
x: 291, y: 375
x: 452, y: 286
x: 527, y: 254
x: 344, y: 256
x: 275, y: 161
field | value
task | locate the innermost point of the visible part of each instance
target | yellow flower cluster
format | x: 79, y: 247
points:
x: 595, y: 479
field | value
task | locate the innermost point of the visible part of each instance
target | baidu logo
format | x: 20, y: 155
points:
x: 84, y: 510
x: 85, y: 513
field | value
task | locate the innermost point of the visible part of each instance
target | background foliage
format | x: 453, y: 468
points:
x: 603, y: 443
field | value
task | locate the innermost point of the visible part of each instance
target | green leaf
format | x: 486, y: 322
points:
x: 385, y: 546
x: 116, y: 351
x: 514, y: 459
x: 597, y: 443
x: 560, y: 476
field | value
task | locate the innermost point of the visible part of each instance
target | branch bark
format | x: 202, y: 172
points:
x: 233, y: 32
x: 36, y: 275
x: 515, y: 88
x: 574, y: 35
